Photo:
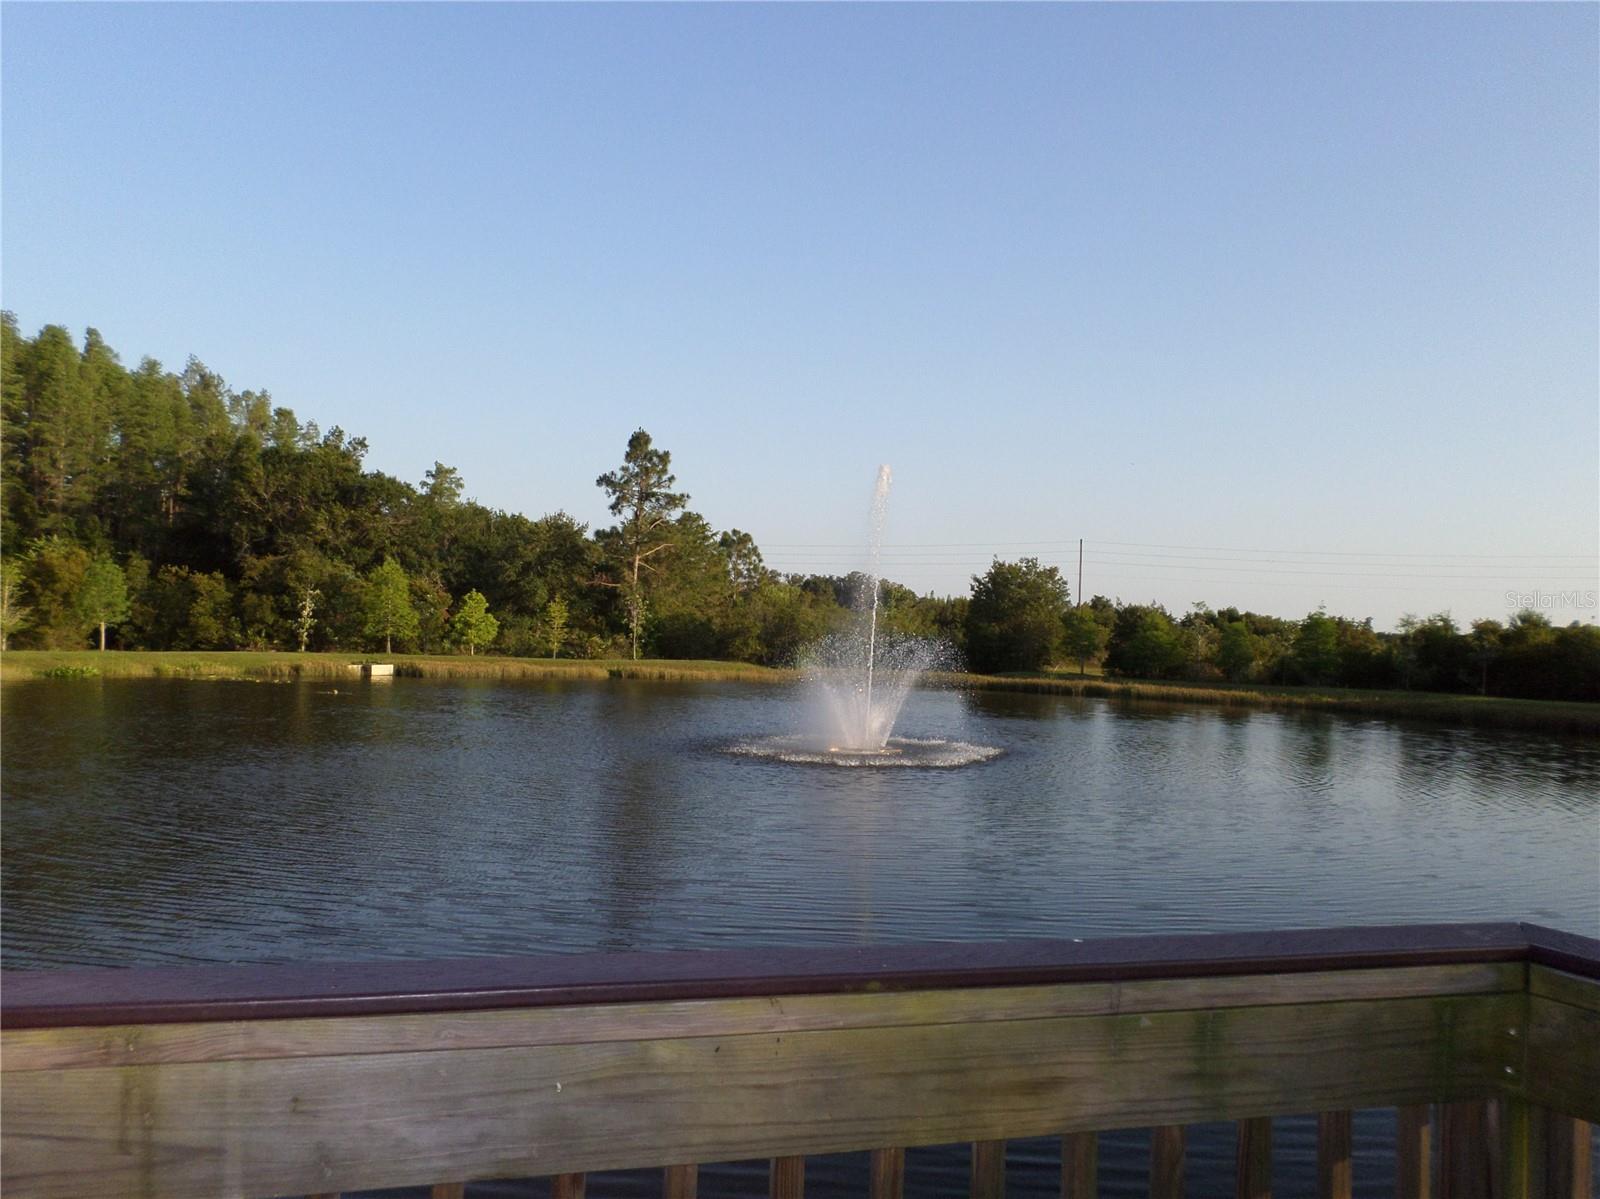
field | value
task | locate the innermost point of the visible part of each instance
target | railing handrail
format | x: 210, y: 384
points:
x: 157, y: 995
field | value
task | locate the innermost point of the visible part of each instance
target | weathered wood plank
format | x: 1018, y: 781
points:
x: 1166, y: 1161
x: 1413, y: 1151
x: 1253, y: 1159
x: 1516, y: 1175
x: 680, y: 1182
x: 1563, y: 1058
x: 988, y: 1170
x: 1080, y: 1165
x: 1334, y: 1137
x: 69, y: 1048
x: 1564, y: 988
x: 57, y: 998
x: 1558, y: 1157
x: 888, y: 1173
x: 1465, y: 1170
x: 391, y: 1119
x: 788, y: 1177
x: 1582, y: 1160
x: 1495, y: 1142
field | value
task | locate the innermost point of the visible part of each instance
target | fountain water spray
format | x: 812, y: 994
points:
x: 880, y: 517
x: 863, y: 674
x: 860, y: 679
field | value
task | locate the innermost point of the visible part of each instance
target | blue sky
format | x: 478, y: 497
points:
x: 1194, y: 283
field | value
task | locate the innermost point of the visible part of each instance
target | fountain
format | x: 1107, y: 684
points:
x: 859, y: 679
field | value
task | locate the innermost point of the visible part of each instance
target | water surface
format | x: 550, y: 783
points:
x: 169, y: 822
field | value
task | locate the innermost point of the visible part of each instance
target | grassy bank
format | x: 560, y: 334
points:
x: 1476, y: 710
x: 1473, y: 710
x: 69, y: 664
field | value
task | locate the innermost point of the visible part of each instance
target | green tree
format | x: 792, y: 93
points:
x: 1316, y: 648
x: 1014, y: 618
x: 555, y: 624
x: 1082, y: 636
x: 57, y: 449
x: 746, y: 571
x: 185, y: 609
x: 16, y: 502
x: 1486, y: 640
x: 306, y: 617
x: 1443, y: 657
x: 211, y: 624
x: 387, y: 606
x: 55, y: 571
x: 641, y: 494
x: 1364, y: 658
x: 1236, y: 650
x: 103, y: 596
x: 432, y: 604
x: 692, y: 597
x: 1145, y: 644
x: 443, y: 485
x: 13, y: 612
x: 472, y: 624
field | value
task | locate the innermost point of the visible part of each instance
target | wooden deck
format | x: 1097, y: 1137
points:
x: 317, y: 1079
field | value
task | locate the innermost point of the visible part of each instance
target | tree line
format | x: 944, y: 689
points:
x: 143, y: 508
x: 1020, y: 618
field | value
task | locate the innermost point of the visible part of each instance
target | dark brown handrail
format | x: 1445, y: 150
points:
x: 60, y: 998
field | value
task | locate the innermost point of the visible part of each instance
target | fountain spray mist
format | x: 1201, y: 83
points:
x: 880, y: 518
x: 862, y: 674
x: 857, y: 681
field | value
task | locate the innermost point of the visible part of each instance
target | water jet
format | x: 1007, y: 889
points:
x: 859, y: 679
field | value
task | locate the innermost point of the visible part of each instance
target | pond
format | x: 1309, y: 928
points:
x: 175, y: 822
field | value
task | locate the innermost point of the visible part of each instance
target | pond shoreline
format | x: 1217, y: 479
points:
x: 1476, y: 711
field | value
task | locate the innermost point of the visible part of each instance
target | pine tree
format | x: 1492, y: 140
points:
x: 641, y: 494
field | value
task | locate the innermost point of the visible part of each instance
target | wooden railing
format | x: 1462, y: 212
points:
x: 317, y: 1079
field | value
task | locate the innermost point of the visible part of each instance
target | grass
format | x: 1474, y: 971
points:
x: 1482, y: 711
x: 1490, y: 712
x: 243, y: 664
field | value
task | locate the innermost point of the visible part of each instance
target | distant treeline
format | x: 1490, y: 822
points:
x: 156, y: 510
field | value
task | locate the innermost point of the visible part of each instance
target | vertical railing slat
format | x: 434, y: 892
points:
x: 988, y: 1170
x: 680, y: 1182
x: 1582, y: 1134
x: 1253, y: 1159
x: 1080, y: 1165
x: 448, y: 1190
x: 888, y: 1173
x: 788, y: 1178
x: 1559, y: 1155
x: 1333, y: 1155
x: 1465, y: 1168
x: 1166, y: 1162
x: 566, y: 1186
x: 1413, y: 1152
x: 1518, y: 1174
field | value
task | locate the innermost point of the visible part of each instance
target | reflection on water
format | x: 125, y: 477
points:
x: 159, y: 821
x: 168, y: 821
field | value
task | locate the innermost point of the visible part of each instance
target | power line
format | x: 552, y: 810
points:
x: 1091, y: 542
x: 1339, y: 553
x: 1238, y: 570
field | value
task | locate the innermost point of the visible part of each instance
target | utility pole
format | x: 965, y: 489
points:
x: 1080, y: 570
